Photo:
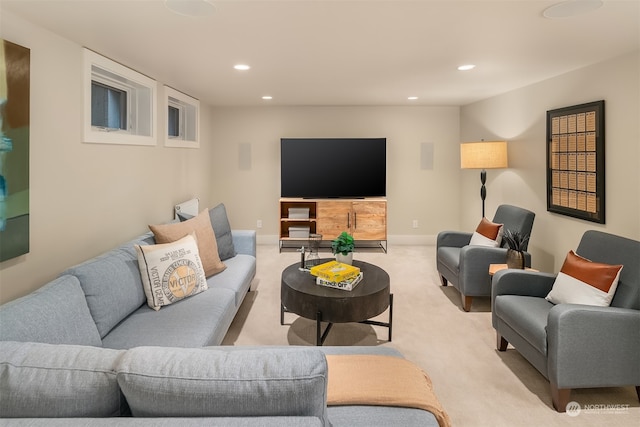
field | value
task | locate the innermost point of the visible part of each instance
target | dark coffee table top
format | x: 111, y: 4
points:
x: 300, y: 294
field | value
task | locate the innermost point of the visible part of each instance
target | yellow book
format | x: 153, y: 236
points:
x: 335, y: 271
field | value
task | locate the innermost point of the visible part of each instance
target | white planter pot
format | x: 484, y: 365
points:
x: 345, y: 259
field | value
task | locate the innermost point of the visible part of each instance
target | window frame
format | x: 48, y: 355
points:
x: 189, y: 119
x: 141, y: 102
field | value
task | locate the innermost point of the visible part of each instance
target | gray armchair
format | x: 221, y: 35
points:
x: 467, y: 267
x: 574, y: 346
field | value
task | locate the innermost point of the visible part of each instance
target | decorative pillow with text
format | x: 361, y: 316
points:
x: 582, y: 281
x: 171, y: 271
x: 487, y: 234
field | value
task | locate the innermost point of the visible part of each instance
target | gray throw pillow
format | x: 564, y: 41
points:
x: 221, y: 228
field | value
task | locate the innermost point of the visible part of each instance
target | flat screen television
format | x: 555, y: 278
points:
x: 333, y: 167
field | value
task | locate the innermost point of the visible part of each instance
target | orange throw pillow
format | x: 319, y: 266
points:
x: 207, y: 245
x: 487, y: 234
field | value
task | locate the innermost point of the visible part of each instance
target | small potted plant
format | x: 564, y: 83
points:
x: 517, y: 244
x: 342, y: 247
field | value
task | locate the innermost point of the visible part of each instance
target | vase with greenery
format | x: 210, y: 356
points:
x: 517, y: 244
x: 342, y: 247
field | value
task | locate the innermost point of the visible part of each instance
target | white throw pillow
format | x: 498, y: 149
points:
x: 171, y: 271
x: 478, y: 239
x: 581, y: 281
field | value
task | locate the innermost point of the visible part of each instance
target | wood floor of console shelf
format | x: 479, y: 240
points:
x: 477, y: 385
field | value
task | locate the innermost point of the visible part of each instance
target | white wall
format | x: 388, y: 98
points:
x: 520, y: 118
x: 428, y: 195
x: 87, y: 198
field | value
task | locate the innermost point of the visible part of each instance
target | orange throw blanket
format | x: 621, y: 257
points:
x: 356, y: 379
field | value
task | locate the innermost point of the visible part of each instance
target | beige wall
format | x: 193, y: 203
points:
x: 87, y: 198
x: 426, y: 195
x: 520, y: 118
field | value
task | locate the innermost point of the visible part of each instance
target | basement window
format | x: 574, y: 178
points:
x: 119, y: 103
x: 183, y: 119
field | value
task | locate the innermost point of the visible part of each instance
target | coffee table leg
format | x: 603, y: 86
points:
x: 281, y: 314
x: 390, y: 315
x: 319, y: 328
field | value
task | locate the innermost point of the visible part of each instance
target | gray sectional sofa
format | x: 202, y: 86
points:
x: 85, y: 349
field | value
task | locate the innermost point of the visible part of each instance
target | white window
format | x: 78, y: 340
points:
x: 183, y: 119
x: 119, y: 103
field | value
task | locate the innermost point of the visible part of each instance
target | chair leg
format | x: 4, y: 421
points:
x: 560, y: 397
x: 443, y: 280
x: 501, y: 343
x: 466, y: 302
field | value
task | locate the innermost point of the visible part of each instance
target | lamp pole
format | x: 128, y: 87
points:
x: 483, y: 189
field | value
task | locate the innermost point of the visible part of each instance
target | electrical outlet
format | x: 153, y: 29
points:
x: 259, y: 223
x: 415, y: 223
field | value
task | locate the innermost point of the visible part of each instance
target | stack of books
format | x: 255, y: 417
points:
x: 337, y: 275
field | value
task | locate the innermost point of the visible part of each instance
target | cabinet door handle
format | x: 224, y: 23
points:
x: 355, y: 220
x: 348, y: 220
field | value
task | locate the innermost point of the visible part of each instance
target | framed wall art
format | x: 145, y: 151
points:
x: 14, y: 149
x: 575, y: 161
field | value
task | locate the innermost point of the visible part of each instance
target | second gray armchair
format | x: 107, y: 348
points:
x: 467, y: 267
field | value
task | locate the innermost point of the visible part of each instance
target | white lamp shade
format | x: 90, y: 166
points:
x: 483, y: 155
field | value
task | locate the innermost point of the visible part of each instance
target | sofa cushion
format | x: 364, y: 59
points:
x: 57, y: 313
x: 193, y: 322
x: 207, y: 246
x: 237, y: 277
x: 171, y: 271
x: 214, y: 382
x: 527, y: 316
x: 44, y: 380
x: 112, y: 285
x: 581, y: 281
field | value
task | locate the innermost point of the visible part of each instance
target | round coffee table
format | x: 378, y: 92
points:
x: 299, y: 294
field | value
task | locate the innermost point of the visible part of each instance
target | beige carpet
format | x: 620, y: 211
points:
x: 477, y: 385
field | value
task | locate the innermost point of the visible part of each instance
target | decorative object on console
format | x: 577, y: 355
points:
x: 483, y: 155
x: 342, y: 247
x: 517, y: 243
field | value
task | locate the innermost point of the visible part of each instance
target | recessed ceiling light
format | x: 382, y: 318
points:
x: 466, y: 67
x: 267, y: 97
x: 570, y: 8
x: 412, y: 98
x: 241, y: 67
x: 190, y: 7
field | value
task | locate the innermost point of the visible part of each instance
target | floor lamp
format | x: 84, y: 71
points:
x: 483, y: 155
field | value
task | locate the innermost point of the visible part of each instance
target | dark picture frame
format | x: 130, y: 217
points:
x: 575, y: 142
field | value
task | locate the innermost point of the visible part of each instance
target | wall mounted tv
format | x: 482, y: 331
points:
x: 333, y: 167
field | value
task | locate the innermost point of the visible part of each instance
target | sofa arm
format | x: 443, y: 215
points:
x: 456, y: 239
x: 591, y: 346
x: 513, y: 281
x: 244, y: 241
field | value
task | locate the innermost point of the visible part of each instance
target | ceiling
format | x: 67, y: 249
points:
x: 338, y: 52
